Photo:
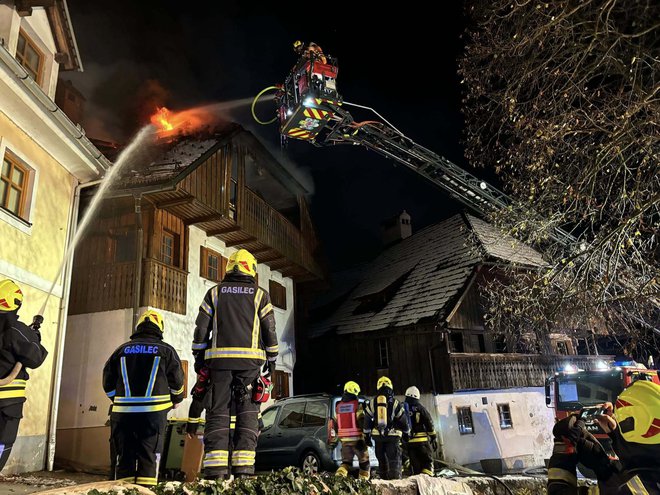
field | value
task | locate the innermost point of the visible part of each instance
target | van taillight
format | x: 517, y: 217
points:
x: 332, y: 434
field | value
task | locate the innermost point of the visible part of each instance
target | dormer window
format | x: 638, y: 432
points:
x: 29, y: 56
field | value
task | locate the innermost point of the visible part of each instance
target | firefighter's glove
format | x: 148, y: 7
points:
x: 269, y: 368
x: 569, y: 429
x: 191, y: 429
x: 405, y: 437
x: 434, y: 444
x: 199, y: 362
x: 591, y: 453
x: 367, y: 441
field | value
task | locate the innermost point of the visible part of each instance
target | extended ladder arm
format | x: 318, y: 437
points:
x: 384, y: 139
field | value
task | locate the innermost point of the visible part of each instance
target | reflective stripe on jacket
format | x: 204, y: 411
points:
x: 19, y: 343
x: 143, y: 375
x: 385, y: 417
x: 349, y: 416
x: 235, y: 327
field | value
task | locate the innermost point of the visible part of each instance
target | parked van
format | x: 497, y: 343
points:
x: 299, y: 431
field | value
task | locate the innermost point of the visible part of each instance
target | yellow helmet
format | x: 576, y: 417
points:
x: 352, y: 388
x: 637, y: 411
x: 297, y: 44
x: 383, y: 381
x: 242, y: 261
x: 11, y: 296
x: 152, y: 316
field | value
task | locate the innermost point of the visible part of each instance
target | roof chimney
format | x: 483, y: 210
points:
x: 396, y: 228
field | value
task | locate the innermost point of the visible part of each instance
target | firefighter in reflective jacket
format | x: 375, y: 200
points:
x: 144, y: 380
x: 235, y: 337
x: 350, y: 426
x: 20, y: 348
x: 423, y: 440
x: 386, y: 421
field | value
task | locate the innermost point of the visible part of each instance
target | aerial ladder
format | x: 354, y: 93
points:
x: 309, y: 108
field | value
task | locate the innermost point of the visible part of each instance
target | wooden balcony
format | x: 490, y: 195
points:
x: 106, y: 287
x: 495, y: 371
x: 266, y: 229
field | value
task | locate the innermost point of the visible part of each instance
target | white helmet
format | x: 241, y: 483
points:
x: 412, y: 392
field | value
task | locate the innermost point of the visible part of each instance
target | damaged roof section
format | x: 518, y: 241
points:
x: 162, y: 166
x: 420, y: 278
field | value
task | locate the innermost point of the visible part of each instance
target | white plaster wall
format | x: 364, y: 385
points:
x: 527, y: 444
x: 90, y: 340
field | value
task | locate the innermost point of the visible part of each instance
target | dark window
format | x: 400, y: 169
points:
x: 315, y: 414
x: 456, y: 342
x: 465, y: 425
x: 169, y: 248
x: 292, y: 415
x: 269, y: 416
x: 383, y: 350
x: 499, y: 343
x: 14, y: 186
x: 277, y: 294
x: 504, y: 412
x: 280, y: 384
x: 125, y: 247
x: 29, y: 56
x: 482, y: 343
x: 212, y: 265
x: 233, y: 186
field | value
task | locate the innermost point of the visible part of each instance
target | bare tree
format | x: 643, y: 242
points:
x: 562, y: 99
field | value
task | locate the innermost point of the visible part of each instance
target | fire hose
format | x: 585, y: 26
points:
x: 254, y: 103
x: 12, y: 375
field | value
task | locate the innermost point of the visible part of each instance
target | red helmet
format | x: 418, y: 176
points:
x: 261, y: 389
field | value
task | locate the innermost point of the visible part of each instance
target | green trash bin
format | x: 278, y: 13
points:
x: 175, y: 439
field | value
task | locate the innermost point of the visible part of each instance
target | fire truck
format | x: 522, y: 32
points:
x: 310, y: 108
x: 571, y: 390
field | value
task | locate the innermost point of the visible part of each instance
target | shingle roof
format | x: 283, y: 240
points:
x: 508, y: 249
x: 435, y: 265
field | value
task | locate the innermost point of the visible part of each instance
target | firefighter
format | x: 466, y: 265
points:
x: 144, y: 379
x: 311, y: 52
x: 386, y: 421
x: 633, y: 425
x: 350, y: 426
x: 234, y: 337
x: 20, y: 349
x: 423, y: 440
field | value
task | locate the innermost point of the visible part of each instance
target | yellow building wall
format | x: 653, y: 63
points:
x: 40, y: 252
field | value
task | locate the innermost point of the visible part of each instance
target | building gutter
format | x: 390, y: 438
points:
x: 61, y: 330
x: 96, y: 160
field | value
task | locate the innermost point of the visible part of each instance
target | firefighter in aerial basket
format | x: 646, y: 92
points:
x: 234, y: 338
x: 350, y: 426
x: 422, y: 442
x: 20, y: 348
x: 144, y: 379
x: 386, y: 421
x: 633, y: 425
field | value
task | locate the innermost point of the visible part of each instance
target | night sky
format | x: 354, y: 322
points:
x: 201, y: 52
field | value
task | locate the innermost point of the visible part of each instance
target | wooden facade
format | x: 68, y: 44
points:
x: 212, y: 196
x: 447, y: 356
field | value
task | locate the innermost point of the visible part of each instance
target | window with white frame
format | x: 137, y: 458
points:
x: 465, y: 424
x: 504, y: 412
